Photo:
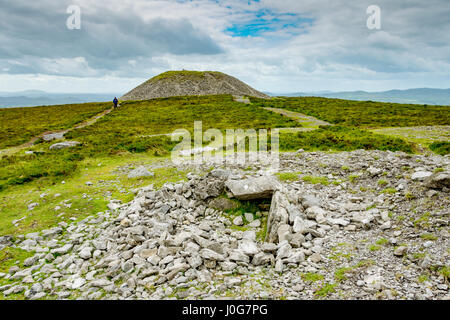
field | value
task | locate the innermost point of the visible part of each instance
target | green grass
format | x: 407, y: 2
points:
x: 363, y: 114
x: 382, y: 242
x: 421, y: 136
x: 19, y: 125
x: 10, y: 257
x: 288, y: 176
x: 312, y: 277
x: 316, y: 180
x: 389, y: 191
x: 409, y: 196
x: 338, y: 138
x: 429, y: 236
x: 441, y: 147
x: 445, y: 272
x: 423, y: 221
x: 423, y: 278
x: 340, y: 274
x: 162, y: 116
x: 325, y: 290
x: 252, y: 207
x: 102, y: 172
x: 185, y: 74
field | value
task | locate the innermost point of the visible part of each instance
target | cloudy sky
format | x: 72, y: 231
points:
x: 274, y: 45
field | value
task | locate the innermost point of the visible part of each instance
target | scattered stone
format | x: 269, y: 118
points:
x: 64, y: 145
x: 438, y: 180
x: 33, y: 205
x: 249, y: 217
x: 140, y: 172
x: 421, y: 175
x: 248, y: 247
x: 400, y: 251
x: 86, y: 253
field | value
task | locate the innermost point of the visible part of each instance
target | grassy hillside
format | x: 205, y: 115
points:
x: 126, y: 128
x: 19, y: 125
x: 338, y: 138
x: 364, y: 114
x: 131, y: 129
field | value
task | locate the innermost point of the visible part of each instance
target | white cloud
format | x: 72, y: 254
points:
x: 335, y: 52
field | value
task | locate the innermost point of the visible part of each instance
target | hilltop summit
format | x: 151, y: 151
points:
x: 191, y: 83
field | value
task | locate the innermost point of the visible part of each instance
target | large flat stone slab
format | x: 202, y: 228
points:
x: 253, y: 188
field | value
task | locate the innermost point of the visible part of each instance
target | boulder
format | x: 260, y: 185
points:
x: 310, y: 201
x: 277, y: 216
x: 220, y: 173
x: 421, y: 175
x: 222, y: 204
x: 64, y: 145
x: 140, y: 172
x: 248, y: 247
x: 252, y: 189
x: 6, y: 240
x: 438, y: 180
x: 53, y: 136
x: 238, y: 221
x: 207, y: 189
x: 211, y: 255
x: 263, y: 259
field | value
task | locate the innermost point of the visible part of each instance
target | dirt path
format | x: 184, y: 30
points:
x: 54, y: 135
x: 307, y: 122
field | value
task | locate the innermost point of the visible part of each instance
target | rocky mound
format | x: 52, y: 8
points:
x: 379, y: 231
x: 191, y: 83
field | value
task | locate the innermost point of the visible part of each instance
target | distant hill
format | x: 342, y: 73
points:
x: 414, y: 96
x: 191, y: 83
x: 33, y: 98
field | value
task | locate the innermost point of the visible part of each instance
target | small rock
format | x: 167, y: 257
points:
x: 33, y: 205
x: 255, y: 223
x: 86, y: 253
x: 238, y: 221
x: 249, y: 217
x: 78, y: 283
x: 315, y: 257
x: 400, y: 251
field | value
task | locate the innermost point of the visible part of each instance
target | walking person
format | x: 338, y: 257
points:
x: 115, y: 102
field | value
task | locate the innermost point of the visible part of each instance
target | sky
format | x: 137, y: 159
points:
x: 280, y: 46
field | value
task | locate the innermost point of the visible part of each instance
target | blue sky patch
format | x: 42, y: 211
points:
x: 264, y: 21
